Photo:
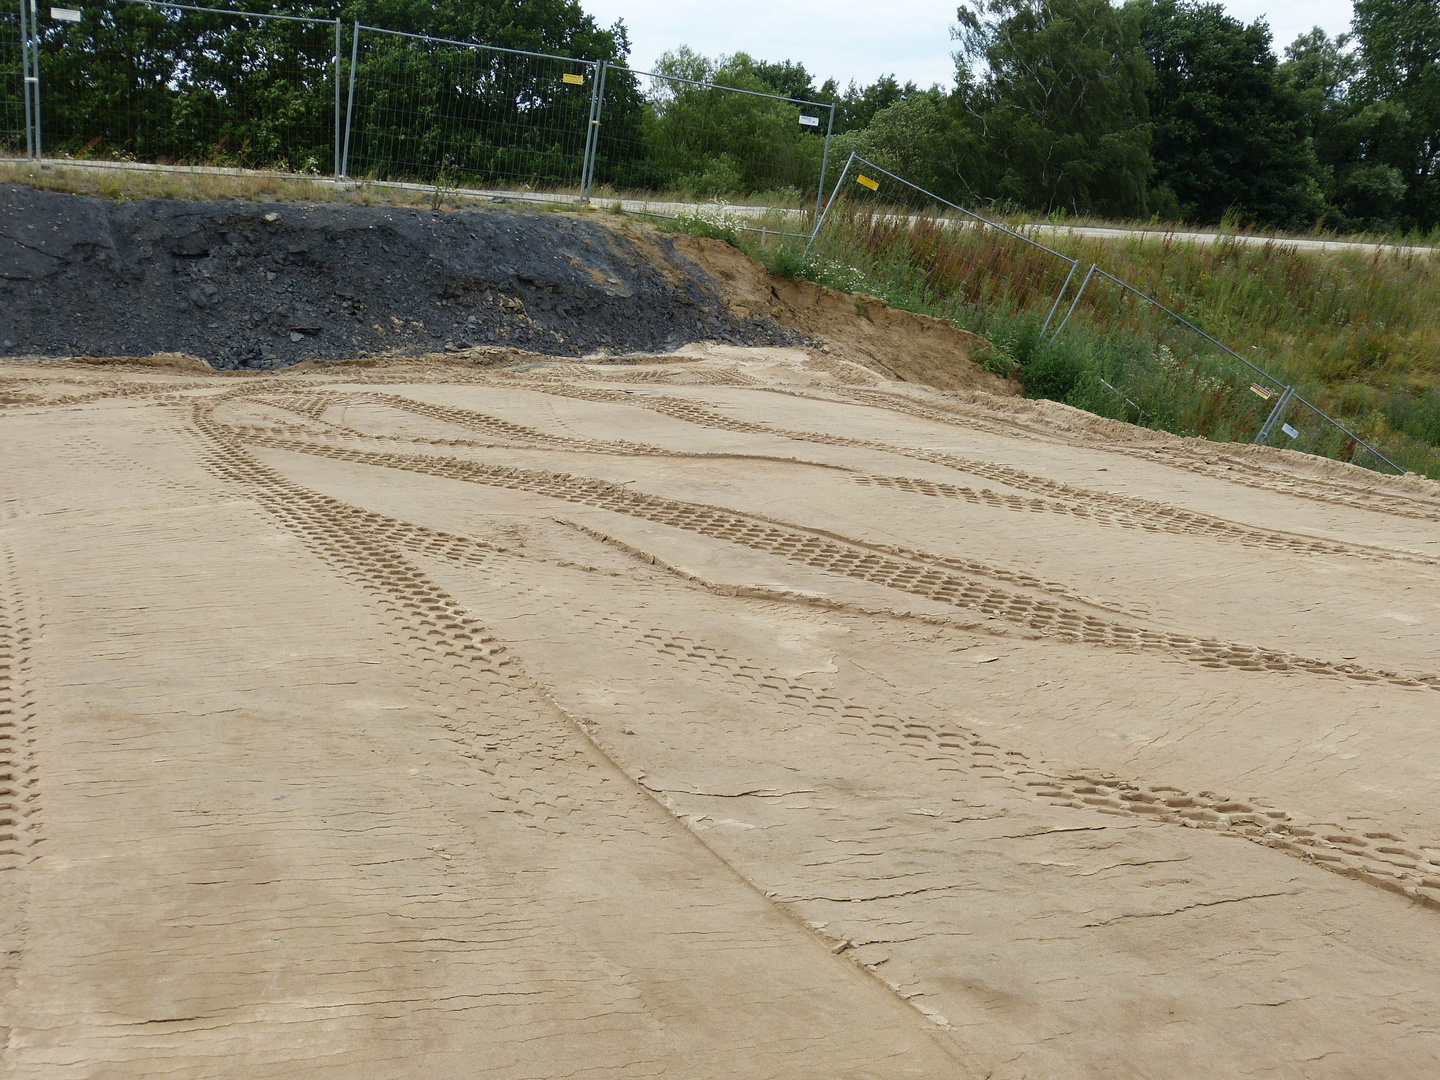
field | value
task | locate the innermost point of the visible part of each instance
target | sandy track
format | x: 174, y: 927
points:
x: 741, y: 716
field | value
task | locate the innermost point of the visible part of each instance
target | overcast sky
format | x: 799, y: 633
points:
x: 861, y: 39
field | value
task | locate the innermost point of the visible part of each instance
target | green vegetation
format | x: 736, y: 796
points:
x: 1165, y: 110
x: 1355, y: 332
x: 679, y: 133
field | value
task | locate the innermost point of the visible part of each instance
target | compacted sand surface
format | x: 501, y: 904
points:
x: 736, y: 714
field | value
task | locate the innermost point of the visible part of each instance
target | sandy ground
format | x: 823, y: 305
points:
x: 738, y: 715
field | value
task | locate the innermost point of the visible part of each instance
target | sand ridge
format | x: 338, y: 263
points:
x: 740, y: 712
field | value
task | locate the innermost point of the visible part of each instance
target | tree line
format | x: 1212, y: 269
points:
x: 1173, y: 110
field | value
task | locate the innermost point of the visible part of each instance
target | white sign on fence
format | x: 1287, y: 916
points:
x: 65, y: 14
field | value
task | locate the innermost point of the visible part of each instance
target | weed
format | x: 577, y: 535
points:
x: 1354, y: 331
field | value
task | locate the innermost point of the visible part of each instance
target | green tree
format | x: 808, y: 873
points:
x: 1345, y: 130
x: 1054, y: 94
x: 920, y: 138
x: 1400, y: 62
x: 1228, y: 133
x: 857, y: 106
x: 698, y: 136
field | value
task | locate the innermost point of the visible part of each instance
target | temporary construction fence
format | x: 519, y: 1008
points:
x: 1158, y: 368
x: 175, y: 83
x: 433, y: 110
x: 142, y: 80
x: 659, y: 133
x: 964, y: 254
x: 1184, y: 377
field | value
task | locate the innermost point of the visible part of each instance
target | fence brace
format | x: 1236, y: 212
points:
x: 592, y: 133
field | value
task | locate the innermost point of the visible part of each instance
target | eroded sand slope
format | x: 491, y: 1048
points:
x: 737, y: 715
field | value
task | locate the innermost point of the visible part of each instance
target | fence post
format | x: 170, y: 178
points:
x: 1275, y: 414
x: 25, y: 78
x: 1056, y: 305
x: 30, y: 73
x: 1066, y: 319
x: 350, y: 103
x: 821, y: 220
x: 336, y: 145
x: 825, y: 159
x: 592, y: 129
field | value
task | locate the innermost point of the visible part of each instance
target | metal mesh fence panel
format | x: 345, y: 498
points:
x: 134, y: 80
x: 12, y: 84
x: 435, y: 111
x: 1157, y: 368
x: 890, y: 230
x: 1154, y: 368
x: 1303, y: 427
x: 664, y: 135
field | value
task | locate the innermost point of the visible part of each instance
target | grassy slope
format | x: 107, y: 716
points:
x: 1357, y: 333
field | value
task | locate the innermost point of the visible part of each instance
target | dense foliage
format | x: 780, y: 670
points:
x: 1168, y: 109
x: 1165, y: 109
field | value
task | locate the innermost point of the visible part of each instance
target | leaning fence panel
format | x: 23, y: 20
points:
x: 878, y: 231
x: 662, y: 135
x: 1154, y: 367
x: 136, y: 80
x: 13, y: 122
x: 1158, y: 367
x: 461, y: 114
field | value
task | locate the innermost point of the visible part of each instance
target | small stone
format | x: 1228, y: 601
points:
x: 297, y: 337
x: 272, y: 216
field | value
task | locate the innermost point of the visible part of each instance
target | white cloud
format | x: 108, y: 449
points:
x: 853, y: 39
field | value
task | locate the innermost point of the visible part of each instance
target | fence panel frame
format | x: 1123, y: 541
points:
x: 1287, y: 392
x: 179, y: 5
x: 595, y: 68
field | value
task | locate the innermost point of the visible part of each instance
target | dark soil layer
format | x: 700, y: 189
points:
x: 269, y: 284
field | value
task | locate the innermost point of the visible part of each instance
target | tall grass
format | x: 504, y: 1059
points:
x: 1357, y: 333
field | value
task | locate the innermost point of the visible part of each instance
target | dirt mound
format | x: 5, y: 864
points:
x: 900, y: 344
x: 261, y: 285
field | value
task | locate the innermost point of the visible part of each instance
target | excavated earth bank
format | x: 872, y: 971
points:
x: 267, y: 284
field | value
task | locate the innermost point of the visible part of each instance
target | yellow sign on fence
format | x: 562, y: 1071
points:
x: 573, y: 80
x: 865, y: 181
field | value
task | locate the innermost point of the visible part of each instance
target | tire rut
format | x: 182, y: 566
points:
x: 931, y: 577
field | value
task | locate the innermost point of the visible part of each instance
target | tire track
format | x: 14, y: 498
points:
x: 956, y: 582
x: 19, y: 788
x: 460, y: 667
x: 1382, y: 859
x: 1236, y: 470
x: 1124, y: 511
x: 1169, y: 520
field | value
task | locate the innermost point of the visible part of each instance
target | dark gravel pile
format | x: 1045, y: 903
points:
x: 269, y: 284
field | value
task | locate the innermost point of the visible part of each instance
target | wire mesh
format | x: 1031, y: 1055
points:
x: 171, y: 84
x: 1306, y: 428
x: 12, y: 85
x: 664, y: 135
x: 1154, y: 368
x: 436, y: 111
x: 889, y: 230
